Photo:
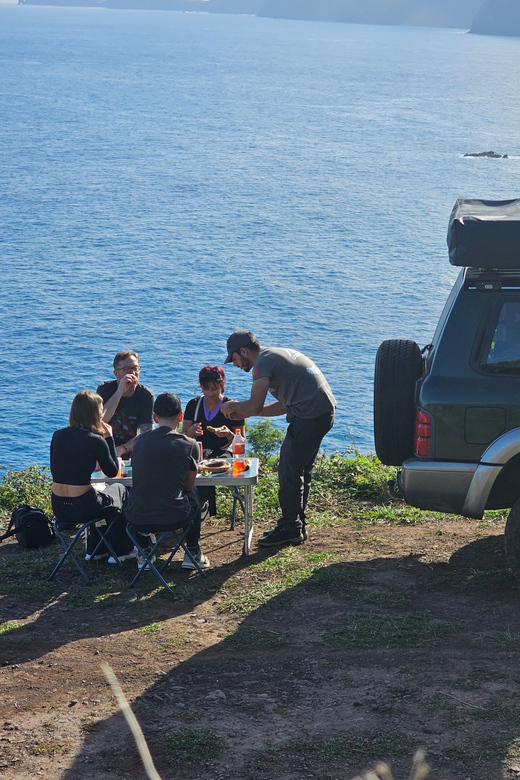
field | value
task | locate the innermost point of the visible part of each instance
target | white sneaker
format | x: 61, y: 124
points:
x: 127, y: 557
x: 100, y: 557
x: 141, y: 561
x: 201, y: 559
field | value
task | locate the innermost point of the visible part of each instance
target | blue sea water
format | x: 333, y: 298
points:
x: 167, y: 178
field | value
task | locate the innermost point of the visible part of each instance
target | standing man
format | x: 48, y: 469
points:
x: 304, y: 395
x: 164, y: 467
x: 126, y: 403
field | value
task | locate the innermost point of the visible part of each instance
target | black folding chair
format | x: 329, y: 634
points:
x: 148, y: 556
x: 103, y: 526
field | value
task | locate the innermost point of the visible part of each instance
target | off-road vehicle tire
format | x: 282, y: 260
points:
x: 398, y: 367
x: 512, y: 539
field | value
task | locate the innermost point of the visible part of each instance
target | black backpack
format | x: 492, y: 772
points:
x: 32, y: 528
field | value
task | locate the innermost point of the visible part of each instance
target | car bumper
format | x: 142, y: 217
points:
x: 440, y: 486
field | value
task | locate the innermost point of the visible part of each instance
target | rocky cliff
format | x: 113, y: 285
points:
x: 498, y: 17
x: 429, y: 13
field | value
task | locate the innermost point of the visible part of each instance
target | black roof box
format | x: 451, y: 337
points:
x: 485, y: 233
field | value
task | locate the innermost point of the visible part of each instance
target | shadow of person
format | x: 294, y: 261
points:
x: 352, y: 663
x: 40, y: 617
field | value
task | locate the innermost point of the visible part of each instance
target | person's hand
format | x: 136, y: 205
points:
x: 228, y: 409
x: 195, y: 430
x: 126, y: 382
x: 108, y: 429
x: 224, y: 432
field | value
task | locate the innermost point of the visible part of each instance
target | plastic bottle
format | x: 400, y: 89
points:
x: 238, y: 448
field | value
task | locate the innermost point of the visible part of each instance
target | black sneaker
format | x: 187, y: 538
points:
x: 303, y: 532
x: 281, y: 536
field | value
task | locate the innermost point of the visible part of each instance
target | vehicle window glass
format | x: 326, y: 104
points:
x: 501, y: 350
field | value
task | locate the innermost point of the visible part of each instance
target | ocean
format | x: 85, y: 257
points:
x: 168, y: 178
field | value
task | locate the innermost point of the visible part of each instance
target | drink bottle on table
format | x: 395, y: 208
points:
x: 238, y: 448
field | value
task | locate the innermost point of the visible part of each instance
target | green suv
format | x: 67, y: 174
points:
x: 449, y: 414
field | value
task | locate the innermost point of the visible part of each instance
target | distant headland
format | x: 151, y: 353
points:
x: 498, y: 17
x: 494, y: 17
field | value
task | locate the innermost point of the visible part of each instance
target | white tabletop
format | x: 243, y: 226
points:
x: 227, y: 479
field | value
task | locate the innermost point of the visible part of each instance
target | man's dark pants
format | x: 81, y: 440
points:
x: 192, y: 540
x: 297, y: 455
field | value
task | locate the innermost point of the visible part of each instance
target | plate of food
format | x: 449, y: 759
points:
x: 214, y: 466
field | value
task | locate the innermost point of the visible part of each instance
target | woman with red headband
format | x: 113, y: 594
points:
x: 205, y: 411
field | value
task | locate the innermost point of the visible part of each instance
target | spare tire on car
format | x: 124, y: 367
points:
x: 398, y: 367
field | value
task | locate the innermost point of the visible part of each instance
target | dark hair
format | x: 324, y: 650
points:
x: 121, y: 356
x: 167, y: 405
x: 86, y: 411
x: 253, y: 345
x: 210, y: 374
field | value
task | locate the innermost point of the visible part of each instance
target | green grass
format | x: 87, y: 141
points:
x: 151, y: 629
x: 255, y: 597
x: 251, y: 636
x: 349, y: 744
x: 195, y: 744
x: 47, y: 748
x: 177, y: 641
x: 10, y: 626
x: 410, y: 629
x: 384, y: 599
x: 499, y: 711
x: 288, y: 574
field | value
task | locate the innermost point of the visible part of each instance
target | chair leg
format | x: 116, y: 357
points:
x: 68, y: 552
x: 148, y: 556
x: 68, y: 547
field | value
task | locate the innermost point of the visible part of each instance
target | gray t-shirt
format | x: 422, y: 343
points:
x: 295, y: 381
x: 161, y: 460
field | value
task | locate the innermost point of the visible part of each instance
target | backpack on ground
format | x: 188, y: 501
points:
x: 30, y: 526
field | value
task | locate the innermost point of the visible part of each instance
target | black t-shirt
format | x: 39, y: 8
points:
x: 74, y: 453
x: 161, y: 460
x: 211, y: 441
x: 131, y: 412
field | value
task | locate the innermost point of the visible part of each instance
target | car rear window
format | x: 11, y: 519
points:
x: 501, y: 346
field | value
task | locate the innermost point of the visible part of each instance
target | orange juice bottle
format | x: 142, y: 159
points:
x: 238, y: 448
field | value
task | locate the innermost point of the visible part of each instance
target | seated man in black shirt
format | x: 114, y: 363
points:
x: 126, y: 403
x: 164, y: 466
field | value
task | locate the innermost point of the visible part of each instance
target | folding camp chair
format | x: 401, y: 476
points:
x: 103, y: 526
x: 148, y: 556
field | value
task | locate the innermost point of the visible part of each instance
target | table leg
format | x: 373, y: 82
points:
x: 248, y: 518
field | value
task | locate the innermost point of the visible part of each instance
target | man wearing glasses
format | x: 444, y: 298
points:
x: 126, y: 403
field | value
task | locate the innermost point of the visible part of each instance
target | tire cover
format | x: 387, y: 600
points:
x: 398, y: 367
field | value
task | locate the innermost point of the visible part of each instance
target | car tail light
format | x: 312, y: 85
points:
x: 423, y: 433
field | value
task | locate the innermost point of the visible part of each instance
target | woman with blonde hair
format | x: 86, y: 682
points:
x: 75, y: 450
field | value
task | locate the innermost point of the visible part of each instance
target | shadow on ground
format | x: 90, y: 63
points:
x: 359, y: 661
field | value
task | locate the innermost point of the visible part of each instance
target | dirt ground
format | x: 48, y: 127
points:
x: 279, y: 692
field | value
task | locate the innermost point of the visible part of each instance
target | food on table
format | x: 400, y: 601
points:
x: 215, y: 465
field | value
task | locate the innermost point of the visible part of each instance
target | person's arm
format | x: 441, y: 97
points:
x: 125, y: 450
x: 189, y: 427
x: 106, y: 455
x: 240, y: 410
x: 110, y: 406
x: 273, y: 410
x: 190, y: 480
x: 194, y: 465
